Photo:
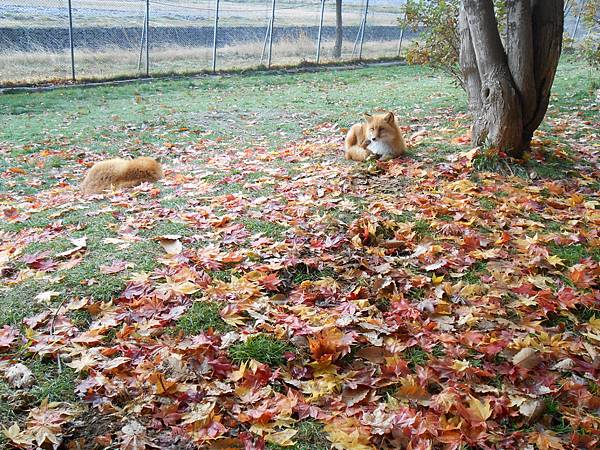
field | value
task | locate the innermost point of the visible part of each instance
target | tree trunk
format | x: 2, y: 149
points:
x: 339, y: 29
x: 509, y: 89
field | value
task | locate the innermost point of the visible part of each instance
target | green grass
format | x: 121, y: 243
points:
x: 268, y: 229
x: 415, y: 356
x: 422, y: 228
x: 201, y: 317
x: 17, y: 302
x: 310, y: 436
x: 304, y: 273
x: 261, y: 347
x: 85, y: 278
x: 166, y: 227
x: 572, y: 254
x: 473, y: 275
x: 49, y: 383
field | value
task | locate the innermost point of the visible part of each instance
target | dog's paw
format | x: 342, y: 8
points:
x: 366, y: 143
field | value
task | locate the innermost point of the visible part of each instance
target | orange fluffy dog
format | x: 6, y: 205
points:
x: 120, y: 173
x: 379, y: 138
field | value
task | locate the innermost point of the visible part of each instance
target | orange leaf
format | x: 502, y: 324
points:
x: 329, y: 345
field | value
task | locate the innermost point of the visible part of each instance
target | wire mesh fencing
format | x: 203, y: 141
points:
x: 50, y: 40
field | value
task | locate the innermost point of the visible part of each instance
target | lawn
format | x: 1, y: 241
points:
x: 446, y: 298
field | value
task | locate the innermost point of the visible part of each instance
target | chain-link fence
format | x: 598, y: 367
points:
x: 47, y: 40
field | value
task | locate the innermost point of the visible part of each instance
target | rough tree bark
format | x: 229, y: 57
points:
x: 337, y: 48
x: 509, y: 86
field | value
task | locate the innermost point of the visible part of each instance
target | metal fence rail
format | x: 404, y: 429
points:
x: 50, y: 40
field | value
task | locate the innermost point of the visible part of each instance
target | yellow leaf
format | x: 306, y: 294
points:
x: 199, y: 414
x: 185, y: 287
x: 460, y: 365
x: 282, y: 438
x: 237, y: 375
x: 479, y: 410
x: 321, y: 386
x: 437, y: 280
x: 555, y: 260
x: 595, y: 323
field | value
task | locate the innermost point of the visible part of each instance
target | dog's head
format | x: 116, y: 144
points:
x: 381, y: 127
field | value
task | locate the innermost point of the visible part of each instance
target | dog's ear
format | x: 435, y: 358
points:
x: 390, y: 118
x: 368, y: 117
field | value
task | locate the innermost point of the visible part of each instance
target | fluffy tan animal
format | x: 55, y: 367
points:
x: 120, y: 173
x: 379, y: 137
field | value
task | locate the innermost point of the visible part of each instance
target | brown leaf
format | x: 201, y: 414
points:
x: 526, y: 358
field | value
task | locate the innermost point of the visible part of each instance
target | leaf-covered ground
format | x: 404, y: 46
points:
x: 269, y: 294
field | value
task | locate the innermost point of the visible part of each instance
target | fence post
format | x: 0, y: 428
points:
x: 264, y: 47
x: 574, y: 33
x: 71, y: 41
x: 147, y: 38
x: 402, y: 30
x: 215, y: 36
x: 320, y: 32
x: 362, y: 35
x: 271, y: 35
x: 141, y: 55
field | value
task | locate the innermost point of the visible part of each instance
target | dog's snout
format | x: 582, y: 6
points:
x: 373, y: 138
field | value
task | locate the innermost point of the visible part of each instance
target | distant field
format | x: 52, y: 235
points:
x: 28, y: 13
x: 32, y: 67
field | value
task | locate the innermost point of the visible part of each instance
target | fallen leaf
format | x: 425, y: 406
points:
x: 170, y: 243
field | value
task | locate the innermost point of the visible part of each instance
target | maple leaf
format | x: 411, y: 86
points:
x: 18, y: 437
x: 19, y: 376
x: 8, y: 336
x: 170, y: 243
x: 356, y: 395
x: 87, y: 360
x: 199, y: 414
x: 47, y: 296
x: 348, y: 434
x: 478, y: 411
x: 115, y: 267
x: 330, y: 344
x: 134, y: 437
x: 270, y: 282
x: 79, y: 243
x: 546, y: 440
x: 282, y: 438
x: 581, y: 276
x: 44, y: 423
x: 411, y: 390
x: 321, y: 385
x: 231, y: 314
x: 527, y: 358
x: 185, y: 287
x: 163, y: 386
x: 555, y: 260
